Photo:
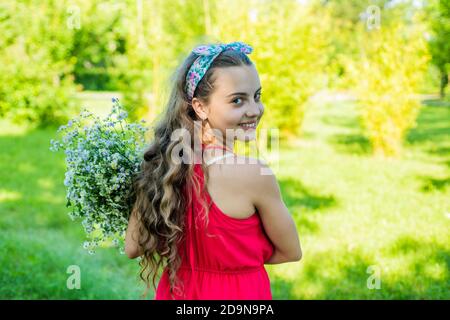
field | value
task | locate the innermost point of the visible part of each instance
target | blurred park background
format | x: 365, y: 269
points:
x: 356, y: 88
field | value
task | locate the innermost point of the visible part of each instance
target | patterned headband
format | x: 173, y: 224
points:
x: 206, y: 55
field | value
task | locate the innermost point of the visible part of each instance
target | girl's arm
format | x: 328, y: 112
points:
x: 278, y: 257
x: 132, y: 248
x: 277, y: 221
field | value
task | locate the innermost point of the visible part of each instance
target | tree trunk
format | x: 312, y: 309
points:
x: 444, y: 82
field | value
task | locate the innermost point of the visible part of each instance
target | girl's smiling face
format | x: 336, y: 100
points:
x: 235, y: 100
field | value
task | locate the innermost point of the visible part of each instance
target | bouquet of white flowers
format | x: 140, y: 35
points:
x: 102, y: 158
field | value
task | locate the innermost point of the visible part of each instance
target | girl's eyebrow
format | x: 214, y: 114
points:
x: 241, y: 93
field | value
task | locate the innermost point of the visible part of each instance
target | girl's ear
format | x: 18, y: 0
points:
x: 200, y: 108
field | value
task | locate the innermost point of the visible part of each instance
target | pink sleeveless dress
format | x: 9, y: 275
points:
x: 225, y: 264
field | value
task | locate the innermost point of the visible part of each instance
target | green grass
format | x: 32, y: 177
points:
x: 352, y: 211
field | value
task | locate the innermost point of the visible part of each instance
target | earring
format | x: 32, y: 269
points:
x: 207, y: 138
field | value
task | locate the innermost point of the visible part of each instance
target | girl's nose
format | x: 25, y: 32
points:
x: 254, y: 110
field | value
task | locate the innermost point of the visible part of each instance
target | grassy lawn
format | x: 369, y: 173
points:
x: 353, y: 212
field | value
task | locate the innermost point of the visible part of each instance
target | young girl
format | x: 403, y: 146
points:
x: 212, y: 223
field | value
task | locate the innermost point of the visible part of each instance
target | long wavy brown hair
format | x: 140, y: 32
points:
x: 160, y: 201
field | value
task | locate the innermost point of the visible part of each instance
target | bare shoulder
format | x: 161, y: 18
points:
x: 259, y: 184
x: 264, y: 184
x: 230, y: 185
x: 243, y: 173
x: 254, y: 170
x: 258, y: 181
x: 245, y: 165
x: 253, y: 174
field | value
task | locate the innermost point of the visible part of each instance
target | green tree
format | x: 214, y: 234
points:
x: 36, y: 80
x: 290, y: 50
x: 439, y: 12
x: 159, y: 35
x: 98, y: 42
x: 388, y: 74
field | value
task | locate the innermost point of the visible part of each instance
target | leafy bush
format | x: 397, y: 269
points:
x: 35, y: 79
x: 389, y: 73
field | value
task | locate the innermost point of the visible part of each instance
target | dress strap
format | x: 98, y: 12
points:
x: 205, y: 147
x: 218, y: 158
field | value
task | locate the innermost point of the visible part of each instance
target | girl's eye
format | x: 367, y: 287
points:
x: 258, y: 97
x: 234, y: 101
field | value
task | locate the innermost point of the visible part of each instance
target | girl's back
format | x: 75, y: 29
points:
x: 225, y: 259
x: 230, y: 187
